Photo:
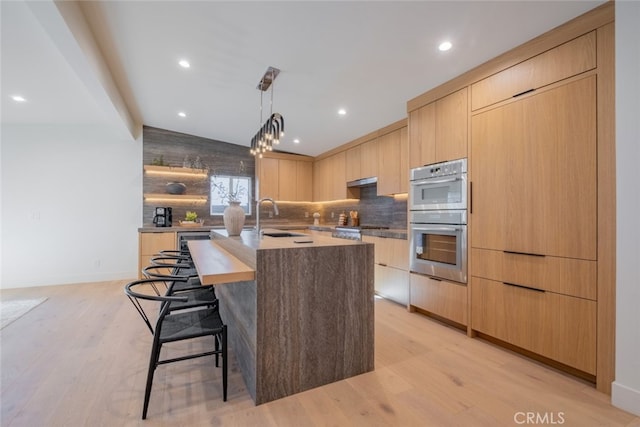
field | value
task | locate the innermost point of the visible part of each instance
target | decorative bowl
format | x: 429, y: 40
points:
x: 176, y: 188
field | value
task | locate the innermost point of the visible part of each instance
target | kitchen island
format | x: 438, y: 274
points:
x: 305, y: 319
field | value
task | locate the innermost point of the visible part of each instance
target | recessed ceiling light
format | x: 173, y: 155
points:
x: 182, y: 114
x: 184, y: 63
x: 296, y: 141
x: 444, y: 46
x: 342, y: 112
x: 18, y: 98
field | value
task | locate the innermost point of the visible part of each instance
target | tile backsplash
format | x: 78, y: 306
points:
x: 224, y: 158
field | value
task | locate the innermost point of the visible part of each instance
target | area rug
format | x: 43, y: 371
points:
x: 12, y: 310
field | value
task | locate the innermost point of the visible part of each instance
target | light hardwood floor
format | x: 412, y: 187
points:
x: 80, y: 359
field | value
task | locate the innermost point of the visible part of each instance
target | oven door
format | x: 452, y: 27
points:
x: 439, y: 251
x: 447, y: 192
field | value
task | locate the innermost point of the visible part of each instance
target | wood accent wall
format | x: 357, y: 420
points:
x: 219, y: 157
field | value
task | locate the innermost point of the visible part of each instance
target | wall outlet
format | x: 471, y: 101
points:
x: 331, y: 215
x: 306, y: 214
x: 270, y: 214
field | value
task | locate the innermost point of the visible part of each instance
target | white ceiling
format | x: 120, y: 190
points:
x: 369, y: 57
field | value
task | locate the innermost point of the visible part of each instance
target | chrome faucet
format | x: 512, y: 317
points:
x: 275, y: 209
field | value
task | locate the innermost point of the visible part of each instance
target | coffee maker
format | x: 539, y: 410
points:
x: 162, y: 217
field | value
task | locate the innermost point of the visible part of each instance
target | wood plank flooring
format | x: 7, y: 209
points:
x: 80, y: 359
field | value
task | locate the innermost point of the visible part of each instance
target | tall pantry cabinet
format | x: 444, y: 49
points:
x: 534, y: 232
x: 541, y: 150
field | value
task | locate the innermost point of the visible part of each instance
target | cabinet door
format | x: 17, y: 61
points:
x: 268, y: 178
x: 392, y: 283
x: 559, y: 327
x: 566, y: 60
x: 451, y: 126
x: 534, y: 174
x: 352, y: 171
x: 404, y: 160
x: 422, y: 136
x: 389, y: 163
x: 445, y: 299
x: 149, y: 244
x: 559, y: 173
x: 337, y: 177
x: 304, y: 181
x: 287, y: 180
x: 369, y: 159
x: 490, y: 137
x: 322, y: 183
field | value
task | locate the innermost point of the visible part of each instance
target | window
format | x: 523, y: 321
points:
x: 225, y: 187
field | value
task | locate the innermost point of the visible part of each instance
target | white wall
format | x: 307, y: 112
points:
x: 626, y: 387
x: 71, y: 205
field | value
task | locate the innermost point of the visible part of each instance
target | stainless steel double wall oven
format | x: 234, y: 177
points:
x: 438, y: 220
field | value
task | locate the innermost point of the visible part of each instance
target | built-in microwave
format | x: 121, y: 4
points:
x: 439, y: 186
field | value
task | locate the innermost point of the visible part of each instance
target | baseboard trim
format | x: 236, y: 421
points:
x: 626, y: 398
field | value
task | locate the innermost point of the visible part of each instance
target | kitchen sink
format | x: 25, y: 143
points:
x: 282, y: 234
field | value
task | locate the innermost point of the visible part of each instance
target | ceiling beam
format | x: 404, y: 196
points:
x: 69, y: 31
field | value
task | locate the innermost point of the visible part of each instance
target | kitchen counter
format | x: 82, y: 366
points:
x: 394, y: 233
x: 307, y: 319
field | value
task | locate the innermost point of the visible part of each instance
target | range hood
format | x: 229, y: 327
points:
x: 362, y: 182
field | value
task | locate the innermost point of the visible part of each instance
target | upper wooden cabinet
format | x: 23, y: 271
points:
x: 393, y: 175
x: 295, y: 179
x: 369, y: 159
x: 566, y: 60
x: 438, y: 131
x: 422, y: 136
x: 533, y: 171
x: 352, y: 160
x: 329, y: 178
x: 268, y: 177
x: 284, y: 177
x: 389, y: 163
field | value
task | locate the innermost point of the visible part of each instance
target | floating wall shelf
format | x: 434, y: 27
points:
x: 175, y: 171
x: 187, y: 198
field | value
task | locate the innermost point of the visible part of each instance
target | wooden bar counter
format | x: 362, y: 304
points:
x: 305, y: 319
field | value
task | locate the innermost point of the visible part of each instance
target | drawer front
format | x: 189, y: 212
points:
x: 446, y: 299
x: 566, y: 60
x: 567, y: 276
x: 558, y: 327
x: 389, y: 251
x: 152, y: 243
x: 392, y: 283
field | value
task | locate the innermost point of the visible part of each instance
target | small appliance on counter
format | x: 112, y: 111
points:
x: 162, y: 217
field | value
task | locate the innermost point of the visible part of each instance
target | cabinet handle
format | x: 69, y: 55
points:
x: 523, y: 253
x: 523, y: 287
x: 470, y: 197
x: 523, y: 93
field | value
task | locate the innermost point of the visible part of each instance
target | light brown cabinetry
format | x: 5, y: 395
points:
x: 533, y: 223
x: 559, y: 327
x: 149, y: 244
x: 404, y: 160
x: 440, y: 297
x: 534, y: 174
x: 268, y: 177
x: 389, y: 154
x: 329, y: 178
x: 285, y: 178
x: 352, y: 160
x: 566, y: 60
x: 369, y: 159
x: 391, y: 257
x: 438, y: 131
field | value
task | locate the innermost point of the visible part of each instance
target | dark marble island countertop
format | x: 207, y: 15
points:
x: 307, y: 319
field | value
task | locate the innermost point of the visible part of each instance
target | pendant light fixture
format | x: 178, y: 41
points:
x: 272, y: 129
